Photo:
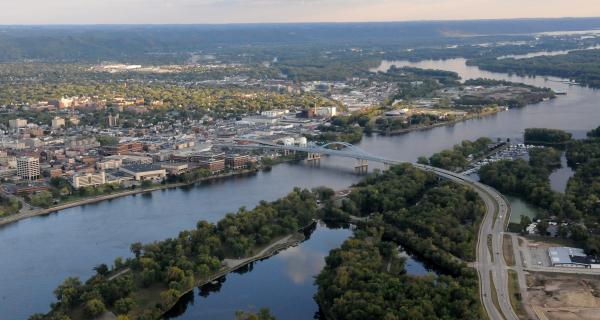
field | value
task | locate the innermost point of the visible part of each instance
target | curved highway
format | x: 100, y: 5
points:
x: 491, y: 267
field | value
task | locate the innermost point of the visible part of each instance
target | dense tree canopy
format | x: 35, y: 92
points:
x: 457, y: 158
x: 9, y: 205
x: 546, y: 136
x: 582, y: 151
x: 548, y: 158
x: 435, y: 221
x: 519, y: 178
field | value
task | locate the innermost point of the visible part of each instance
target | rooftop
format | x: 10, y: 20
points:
x: 566, y: 255
x: 141, y: 167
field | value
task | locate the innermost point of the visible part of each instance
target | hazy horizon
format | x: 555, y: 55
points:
x: 67, y: 12
x: 291, y: 22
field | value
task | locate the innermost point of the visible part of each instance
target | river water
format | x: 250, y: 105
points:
x: 284, y: 283
x: 544, y: 53
x: 287, y: 292
x: 38, y: 253
x: 560, y: 177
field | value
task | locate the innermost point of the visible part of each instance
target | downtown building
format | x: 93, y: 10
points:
x: 88, y: 180
x: 28, y: 168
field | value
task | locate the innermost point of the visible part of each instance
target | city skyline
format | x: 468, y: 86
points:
x: 274, y: 11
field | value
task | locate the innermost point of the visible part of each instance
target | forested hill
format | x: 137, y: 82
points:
x: 167, y: 42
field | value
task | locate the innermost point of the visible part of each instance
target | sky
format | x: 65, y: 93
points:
x: 257, y: 11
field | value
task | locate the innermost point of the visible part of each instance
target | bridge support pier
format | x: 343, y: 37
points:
x: 314, y: 158
x: 362, y: 166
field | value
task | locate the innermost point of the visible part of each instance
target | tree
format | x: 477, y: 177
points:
x: 594, y: 133
x: 42, y: 199
x: 146, y: 184
x: 543, y: 135
x: 136, y: 249
x: 423, y: 160
x: 59, y: 182
x: 94, y: 308
x: 69, y: 291
x: 124, y: 305
x: 547, y: 158
x: 525, y: 222
x: 324, y: 193
x: 168, y: 297
x: 102, y: 269
x: 107, y: 140
x: 592, y: 245
x: 175, y: 274
x: 563, y: 231
x: 456, y: 158
x: 542, y: 227
x: 118, y: 264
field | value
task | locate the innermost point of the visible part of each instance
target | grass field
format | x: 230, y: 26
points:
x: 507, y: 250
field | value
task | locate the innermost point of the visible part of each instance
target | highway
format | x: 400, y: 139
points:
x: 488, y: 262
x: 498, y: 210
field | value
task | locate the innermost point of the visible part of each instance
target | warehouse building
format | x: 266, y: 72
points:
x: 572, y: 257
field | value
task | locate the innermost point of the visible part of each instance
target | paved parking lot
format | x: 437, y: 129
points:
x: 536, y: 256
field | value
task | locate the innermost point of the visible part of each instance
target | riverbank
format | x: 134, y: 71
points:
x: 441, y: 124
x: 151, y: 296
x: 160, y: 275
x: 41, y: 212
x: 235, y: 264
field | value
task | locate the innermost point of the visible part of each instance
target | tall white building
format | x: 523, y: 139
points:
x: 28, y: 168
x: 113, y: 121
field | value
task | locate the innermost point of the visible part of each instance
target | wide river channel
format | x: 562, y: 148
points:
x: 38, y: 253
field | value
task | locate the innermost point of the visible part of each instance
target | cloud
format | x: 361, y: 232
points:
x: 302, y: 264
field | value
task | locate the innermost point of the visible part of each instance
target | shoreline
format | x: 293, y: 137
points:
x: 435, y: 125
x: 41, y: 212
x: 231, y: 265
x: 271, y: 250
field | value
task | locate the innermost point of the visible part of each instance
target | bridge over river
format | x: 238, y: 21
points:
x: 314, y: 151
